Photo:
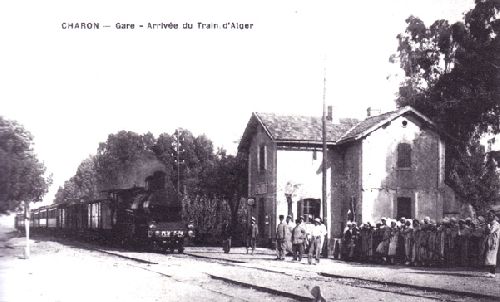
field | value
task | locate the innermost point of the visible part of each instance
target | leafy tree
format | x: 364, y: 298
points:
x: 86, y: 178
x: 227, y: 180
x: 211, y: 184
x: 84, y: 184
x: 195, y: 156
x: 476, y: 177
x: 121, y: 156
x: 22, y: 174
x: 452, y: 71
x: 452, y: 76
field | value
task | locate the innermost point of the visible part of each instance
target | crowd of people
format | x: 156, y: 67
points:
x: 295, y: 238
x: 450, y: 242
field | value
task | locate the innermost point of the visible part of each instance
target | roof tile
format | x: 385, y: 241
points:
x: 302, y: 128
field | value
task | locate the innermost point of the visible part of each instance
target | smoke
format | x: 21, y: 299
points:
x: 136, y: 173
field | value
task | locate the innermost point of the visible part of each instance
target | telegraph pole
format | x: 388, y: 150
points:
x: 177, y: 146
x: 323, y: 163
x: 27, y: 229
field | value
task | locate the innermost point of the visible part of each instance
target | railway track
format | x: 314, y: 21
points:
x: 226, y: 274
x: 308, y: 276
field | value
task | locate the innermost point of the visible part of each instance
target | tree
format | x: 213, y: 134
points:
x: 86, y: 179
x: 475, y: 177
x: 211, y: 184
x: 452, y: 71
x: 227, y: 180
x: 122, y: 158
x: 23, y: 175
x: 452, y: 74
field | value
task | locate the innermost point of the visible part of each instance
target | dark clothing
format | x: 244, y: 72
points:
x: 298, y: 235
x: 314, y: 249
x: 226, y: 231
x: 251, y: 243
x: 280, y: 248
x: 253, y: 232
x: 226, y: 237
x: 298, y: 250
x: 280, y: 240
x: 226, y: 245
x: 281, y: 231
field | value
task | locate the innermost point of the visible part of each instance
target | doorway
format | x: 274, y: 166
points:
x: 309, y: 207
x: 403, y: 208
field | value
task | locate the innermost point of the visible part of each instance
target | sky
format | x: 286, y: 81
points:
x: 71, y: 88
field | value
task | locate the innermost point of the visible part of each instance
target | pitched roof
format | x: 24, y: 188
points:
x: 302, y: 128
x: 371, y: 124
x: 307, y: 129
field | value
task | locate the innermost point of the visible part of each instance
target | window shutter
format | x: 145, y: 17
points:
x: 404, y: 155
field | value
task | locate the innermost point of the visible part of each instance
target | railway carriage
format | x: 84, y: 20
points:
x: 42, y: 218
x: 52, y: 217
x: 147, y: 217
x: 19, y: 221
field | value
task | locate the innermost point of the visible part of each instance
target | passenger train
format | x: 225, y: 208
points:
x: 147, y: 217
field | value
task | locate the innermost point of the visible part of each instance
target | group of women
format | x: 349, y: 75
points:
x: 450, y: 242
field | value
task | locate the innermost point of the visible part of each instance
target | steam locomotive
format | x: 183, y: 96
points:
x: 148, y: 217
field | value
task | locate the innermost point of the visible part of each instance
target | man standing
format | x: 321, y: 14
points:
x: 288, y: 238
x: 323, y: 236
x: 281, y: 230
x: 298, y: 235
x: 315, y: 242
x: 252, y: 234
x: 492, y: 241
x: 226, y: 237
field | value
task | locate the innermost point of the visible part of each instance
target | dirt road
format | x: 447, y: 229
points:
x: 65, y: 270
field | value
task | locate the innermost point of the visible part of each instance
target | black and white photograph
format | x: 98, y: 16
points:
x: 249, y: 150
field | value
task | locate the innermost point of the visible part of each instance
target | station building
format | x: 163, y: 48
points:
x: 388, y: 165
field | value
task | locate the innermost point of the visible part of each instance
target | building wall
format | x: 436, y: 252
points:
x: 262, y: 185
x: 345, y: 184
x: 298, y: 174
x: 383, y: 182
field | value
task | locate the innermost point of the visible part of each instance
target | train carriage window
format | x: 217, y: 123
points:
x: 89, y: 214
x: 93, y: 215
x: 106, y: 215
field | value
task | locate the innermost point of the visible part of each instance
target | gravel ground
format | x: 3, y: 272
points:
x: 61, y: 272
x: 67, y: 270
x: 438, y: 283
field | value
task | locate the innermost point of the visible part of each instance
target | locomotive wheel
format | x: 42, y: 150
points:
x: 171, y: 250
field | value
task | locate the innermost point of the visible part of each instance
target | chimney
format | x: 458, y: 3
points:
x: 372, y: 112
x: 334, y: 119
x: 329, y: 116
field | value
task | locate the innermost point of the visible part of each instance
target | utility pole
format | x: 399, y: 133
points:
x: 323, y: 164
x: 177, y: 147
x: 27, y: 229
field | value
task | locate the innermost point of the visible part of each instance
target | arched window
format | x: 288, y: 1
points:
x: 404, y: 155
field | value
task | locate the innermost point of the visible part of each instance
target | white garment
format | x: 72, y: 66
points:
x: 492, y: 241
x: 323, y: 235
x: 317, y: 231
x: 323, y: 230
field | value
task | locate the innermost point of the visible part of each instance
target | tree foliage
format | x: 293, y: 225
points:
x: 476, y: 177
x: 22, y: 174
x: 452, y: 74
x: 211, y: 184
x: 121, y: 156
